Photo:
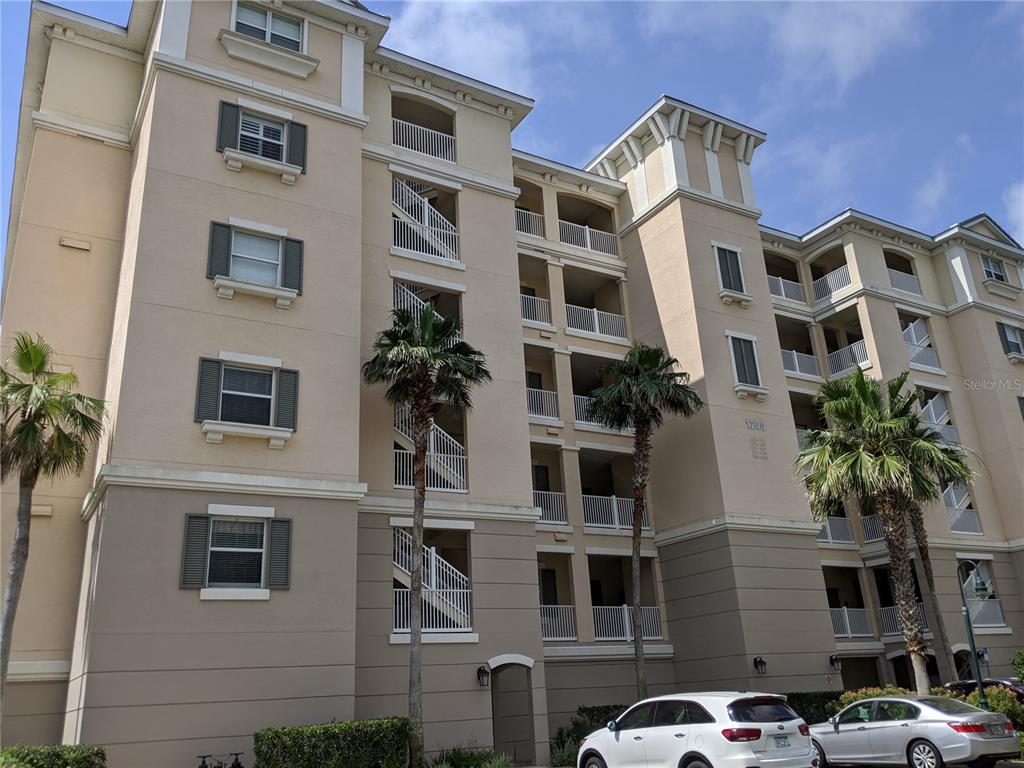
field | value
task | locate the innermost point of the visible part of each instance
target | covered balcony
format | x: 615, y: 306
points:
x: 805, y: 415
x: 935, y: 414
x: 548, y: 484
x: 606, y: 479
x: 541, y: 387
x: 830, y: 273
x: 587, y: 225
x: 784, y: 278
x: 422, y: 127
x: 960, y: 511
x: 916, y: 335
x: 557, y: 611
x: 844, y: 342
x: 446, y: 468
x: 587, y: 376
x: 447, y: 592
x: 593, y: 304
x: 611, y: 591
x: 413, y: 298
x: 986, y: 609
x: 889, y: 617
x: 798, y: 356
x: 534, y: 291
x: 837, y: 527
x: 529, y: 208
x: 850, y: 618
x: 424, y: 219
x: 901, y: 273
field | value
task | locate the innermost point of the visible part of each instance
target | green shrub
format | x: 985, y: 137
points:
x: 379, y: 743
x: 849, y: 697
x: 53, y: 756
x: 1002, y: 701
x: 564, y: 754
x: 1018, y: 664
x: 469, y: 757
x: 584, y: 722
x: 814, y: 706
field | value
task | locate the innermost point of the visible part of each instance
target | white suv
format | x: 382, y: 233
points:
x: 702, y: 730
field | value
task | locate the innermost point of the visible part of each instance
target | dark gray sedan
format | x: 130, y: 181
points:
x: 919, y: 731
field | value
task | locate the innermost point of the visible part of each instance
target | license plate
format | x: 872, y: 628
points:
x: 781, y: 741
x: 996, y: 730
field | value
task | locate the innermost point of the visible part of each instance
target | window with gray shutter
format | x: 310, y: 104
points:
x: 227, y: 126
x: 208, y: 390
x: 287, y: 406
x: 746, y: 361
x: 194, y: 551
x: 729, y: 268
x: 297, y: 145
x: 261, y: 136
x: 237, y: 547
x: 279, y: 552
x: 291, y: 265
x: 218, y: 259
x: 1011, y: 338
x: 246, y: 395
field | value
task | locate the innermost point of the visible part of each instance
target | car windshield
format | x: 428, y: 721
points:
x: 949, y: 706
x: 761, y: 711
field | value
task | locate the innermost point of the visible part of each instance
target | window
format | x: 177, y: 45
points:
x: 858, y: 713
x: 766, y: 710
x: 638, y: 717
x: 744, y: 357
x: 541, y: 478
x: 246, y: 395
x: 894, y: 710
x: 670, y: 713
x: 729, y: 272
x: 236, y: 553
x: 255, y: 258
x: 260, y: 136
x: 697, y: 714
x: 269, y: 26
x: 993, y: 269
x: 1012, y: 339
x: 534, y: 380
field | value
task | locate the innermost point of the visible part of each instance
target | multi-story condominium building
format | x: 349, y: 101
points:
x: 216, y: 208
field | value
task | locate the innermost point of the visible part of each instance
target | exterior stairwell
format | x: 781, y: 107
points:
x: 407, y: 297
x: 419, y: 226
x: 446, y: 456
x: 935, y: 414
x: 446, y: 590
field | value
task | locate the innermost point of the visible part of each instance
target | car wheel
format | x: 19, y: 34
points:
x: 822, y: 762
x: 697, y: 764
x: 923, y: 754
x: 594, y: 761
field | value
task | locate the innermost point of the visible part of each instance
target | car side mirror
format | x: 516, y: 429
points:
x: 613, y: 726
x: 834, y: 721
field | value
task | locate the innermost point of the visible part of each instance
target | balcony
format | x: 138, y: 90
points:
x: 827, y: 285
x: 582, y: 405
x: 905, y: 282
x: 529, y: 223
x: 610, y: 512
x: 418, y: 224
x: 986, y: 613
x: 871, y: 527
x: 595, y: 321
x: 891, y: 624
x: 836, y: 530
x: 615, y: 622
x: 851, y: 622
x: 558, y: 622
x: 963, y: 518
x: 918, y: 354
x: 782, y: 288
x: 845, y: 358
x: 447, y: 602
x: 552, y: 506
x: 800, y: 363
x: 589, y: 239
x: 949, y: 433
x: 535, y: 309
x: 542, y: 403
x: 425, y: 141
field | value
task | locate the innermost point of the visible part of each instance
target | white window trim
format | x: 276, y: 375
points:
x: 224, y: 592
x: 236, y: 160
x: 271, y: 397
x: 270, y: 11
x: 257, y: 227
x: 238, y: 510
x: 742, y: 390
x: 227, y: 288
x: 728, y: 295
x: 990, y: 274
x: 253, y: 360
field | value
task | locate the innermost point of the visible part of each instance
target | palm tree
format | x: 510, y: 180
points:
x: 877, y: 450
x: 46, y: 431
x: 423, y: 360
x: 642, y: 388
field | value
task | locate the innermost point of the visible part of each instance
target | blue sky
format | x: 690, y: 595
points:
x: 911, y: 111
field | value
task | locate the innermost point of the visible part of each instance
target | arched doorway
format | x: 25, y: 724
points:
x: 512, y: 707
x: 904, y: 674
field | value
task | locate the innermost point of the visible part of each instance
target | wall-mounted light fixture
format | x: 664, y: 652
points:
x: 483, y: 676
x: 760, y: 665
x: 836, y: 662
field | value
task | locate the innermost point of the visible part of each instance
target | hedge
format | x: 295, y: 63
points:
x: 379, y: 743
x: 53, y: 756
x: 814, y: 706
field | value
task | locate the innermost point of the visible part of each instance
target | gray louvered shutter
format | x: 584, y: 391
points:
x: 291, y: 267
x: 287, y: 406
x: 279, y: 553
x: 227, y: 126
x: 218, y: 258
x: 194, y: 551
x: 729, y: 266
x: 297, y: 145
x: 208, y: 390
x: 750, y: 360
x: 1004, y: 337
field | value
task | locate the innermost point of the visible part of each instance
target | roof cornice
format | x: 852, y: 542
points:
x: 540, y: 164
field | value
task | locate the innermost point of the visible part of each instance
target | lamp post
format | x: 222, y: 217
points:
x: 981, y: 591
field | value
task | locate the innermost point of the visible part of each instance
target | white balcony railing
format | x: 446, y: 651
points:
x: 905, y: 282
x: 426, y: 141
x: 541, y: 402
x: 800, y: 362
x: 583, y: 411
x: 615, y: 622
x: 919, y: 354
x: 585, y: 237
x: 831, y: 283
x: 439, y: 242
x: 529, y: 223
x: 535, y: 309
x: 890, y: 616
x: 610, y: 512
x: 949, y: 433
x: 846, y: 358
x: 986, y: 613
x: 552, y: 506
x: 558, y: 622
x: 444, y: 610
x: 445, y: 471
x: 963, y: 520
x: 871, y: 526
x: 595, y: 321
x: 851, y: 622
x: 785, y: 289
x: 836, y: 530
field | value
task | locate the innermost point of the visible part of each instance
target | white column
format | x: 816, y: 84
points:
x: 173, y: 33
x: 352, y: 71
x: 960, y: 273
x: 744, y: 154
x: 712, y: 139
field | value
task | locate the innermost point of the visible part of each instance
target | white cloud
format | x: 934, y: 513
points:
x: 1013, y: 199
x: 933, y: 194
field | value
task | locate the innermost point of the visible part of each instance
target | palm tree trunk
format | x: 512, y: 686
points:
x: 921, y: 538
x: 641, y: 472
x: 16, y: 572
x: 894, y: 526
x: 421, y: 425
